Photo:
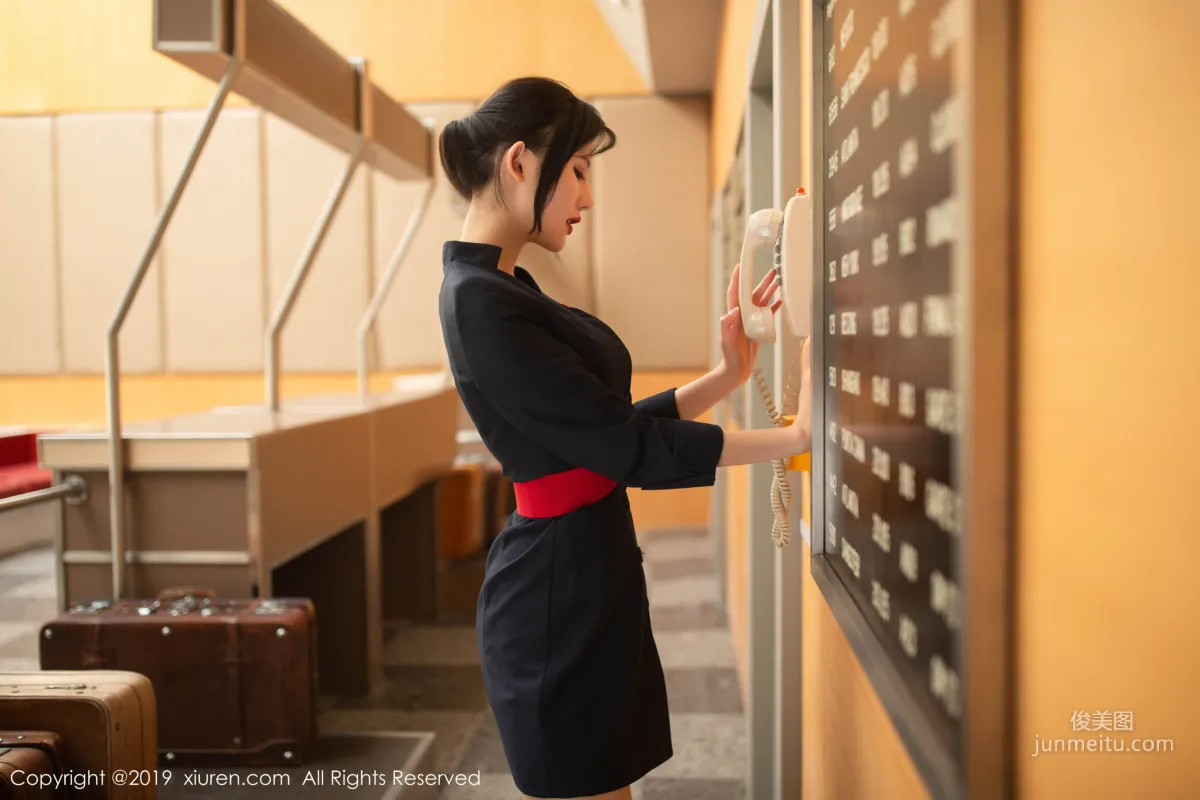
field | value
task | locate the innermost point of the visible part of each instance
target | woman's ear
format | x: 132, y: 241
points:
x: 513, y: 161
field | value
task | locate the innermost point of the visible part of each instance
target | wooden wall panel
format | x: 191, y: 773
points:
x: 213, y: 251
x: 29, y: 329
x: 408, y: 332
x: 107, y: 191
x: 301, y: 172
x: 651, y: 230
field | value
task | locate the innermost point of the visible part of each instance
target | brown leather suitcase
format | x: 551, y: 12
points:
x: 29, y: 766
x: 499, y: 503
x: 106, y: 721
x: 235, y: 680
x: 461, y: 523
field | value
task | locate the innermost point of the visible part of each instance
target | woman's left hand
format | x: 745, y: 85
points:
x: 738, y: 351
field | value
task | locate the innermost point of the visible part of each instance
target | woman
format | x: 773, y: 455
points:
x: 569, y: 660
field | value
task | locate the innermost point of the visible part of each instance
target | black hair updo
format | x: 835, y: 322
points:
x: 542, y: 113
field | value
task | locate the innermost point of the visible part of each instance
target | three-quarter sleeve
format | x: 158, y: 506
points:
x: 662, y: 405
x: 542, y: 387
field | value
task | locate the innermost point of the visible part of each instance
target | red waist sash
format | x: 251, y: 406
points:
x: 561, y: 493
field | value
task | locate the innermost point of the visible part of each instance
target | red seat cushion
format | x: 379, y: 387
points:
x: 23, y: 478
x: 18, y: 450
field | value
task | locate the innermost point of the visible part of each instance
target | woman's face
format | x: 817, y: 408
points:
x: 564, y: 208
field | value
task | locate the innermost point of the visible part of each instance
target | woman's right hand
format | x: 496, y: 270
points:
x: 769, y: 444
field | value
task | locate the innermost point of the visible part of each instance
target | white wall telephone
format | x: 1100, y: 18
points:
x: 790, y: 233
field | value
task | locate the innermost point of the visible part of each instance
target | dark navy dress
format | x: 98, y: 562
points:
x: 569, y: 661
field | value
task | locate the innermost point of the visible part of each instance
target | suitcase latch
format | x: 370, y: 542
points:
x: 94, y: 607
x: 178, y: 606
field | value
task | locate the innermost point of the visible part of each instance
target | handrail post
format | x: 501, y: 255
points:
x: 284, y: 309
x: 112, y: 361
x: 385, y: 285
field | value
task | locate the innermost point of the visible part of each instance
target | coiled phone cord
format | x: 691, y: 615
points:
x: 781, y: 489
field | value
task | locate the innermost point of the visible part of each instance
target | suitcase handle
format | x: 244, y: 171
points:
x: 186, y: 592
x: 45, y: 741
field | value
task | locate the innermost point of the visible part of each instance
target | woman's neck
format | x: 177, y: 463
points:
x: 486, y: 227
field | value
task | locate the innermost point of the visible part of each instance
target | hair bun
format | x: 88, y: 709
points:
x: 542, y: 113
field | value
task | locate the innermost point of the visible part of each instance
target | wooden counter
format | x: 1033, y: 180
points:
x: 253, y: 503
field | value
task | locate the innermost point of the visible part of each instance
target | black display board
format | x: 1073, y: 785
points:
x: 890, y: 223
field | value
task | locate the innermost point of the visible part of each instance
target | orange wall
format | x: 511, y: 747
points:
x: 1109, y: 376
x: 851, y: 749
x: 73, y: 55
x: 729, y: 89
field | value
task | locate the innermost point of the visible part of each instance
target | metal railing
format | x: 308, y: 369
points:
x: 363, y: 145
x: 73, y: 490
x: 287, y: 301
x: 385, y: 284
x: 112, y: 361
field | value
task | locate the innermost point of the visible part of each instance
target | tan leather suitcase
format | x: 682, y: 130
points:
x: 106, y: 720
x: 235, y: 681
x: 29, y: 766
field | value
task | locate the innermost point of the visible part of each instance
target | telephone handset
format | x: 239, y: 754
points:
x: 789, y: 232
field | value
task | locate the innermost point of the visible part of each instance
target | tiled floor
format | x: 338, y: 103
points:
x: 26, y: 601
x: 434, y: 682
